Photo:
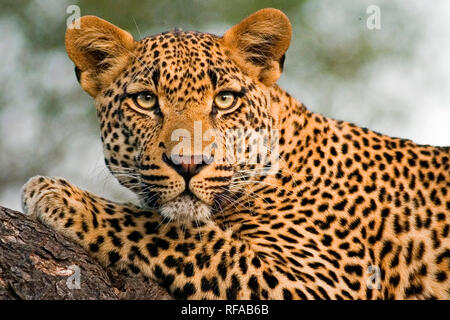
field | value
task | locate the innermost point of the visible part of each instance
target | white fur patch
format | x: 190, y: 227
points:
x: 185, y: 208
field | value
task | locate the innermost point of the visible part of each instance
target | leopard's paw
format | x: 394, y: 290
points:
x: 41, y: 197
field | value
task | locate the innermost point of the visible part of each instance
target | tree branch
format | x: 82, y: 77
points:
x: 37, y: 263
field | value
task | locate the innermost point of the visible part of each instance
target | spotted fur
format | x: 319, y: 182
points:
x: 349, y: 213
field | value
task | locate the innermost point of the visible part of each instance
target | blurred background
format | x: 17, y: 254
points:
x: 395, y: 80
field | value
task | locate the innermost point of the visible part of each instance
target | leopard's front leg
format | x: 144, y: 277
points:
x: 191, y: 261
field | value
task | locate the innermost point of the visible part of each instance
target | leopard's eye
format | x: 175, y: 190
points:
x: 145, y: 100
x: 225, y: 100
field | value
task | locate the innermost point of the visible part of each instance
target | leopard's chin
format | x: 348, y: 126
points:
x: 185, y: 207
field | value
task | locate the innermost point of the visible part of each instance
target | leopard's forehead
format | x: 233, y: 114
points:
x: 178, y: 51
x: 172, y: 44
x: 179, y: 63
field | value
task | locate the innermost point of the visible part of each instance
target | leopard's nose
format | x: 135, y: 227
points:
x: 186, y: 166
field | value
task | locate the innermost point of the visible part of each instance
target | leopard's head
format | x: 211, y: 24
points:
x: 181, y: 113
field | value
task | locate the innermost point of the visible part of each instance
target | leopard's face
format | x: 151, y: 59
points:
x: 183, y: 115
x: 174, y: 121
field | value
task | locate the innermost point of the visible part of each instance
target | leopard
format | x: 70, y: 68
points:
x: 332, y: 211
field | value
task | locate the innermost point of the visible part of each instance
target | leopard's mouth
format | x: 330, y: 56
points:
x: 185, y: 207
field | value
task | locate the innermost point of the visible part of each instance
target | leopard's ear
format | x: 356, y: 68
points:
x: 259, y: 42
x: 99, y: 50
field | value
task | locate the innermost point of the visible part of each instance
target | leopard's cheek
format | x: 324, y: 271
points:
x: 124, y: 131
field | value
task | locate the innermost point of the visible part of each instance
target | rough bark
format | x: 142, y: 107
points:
x: 35, y: 263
